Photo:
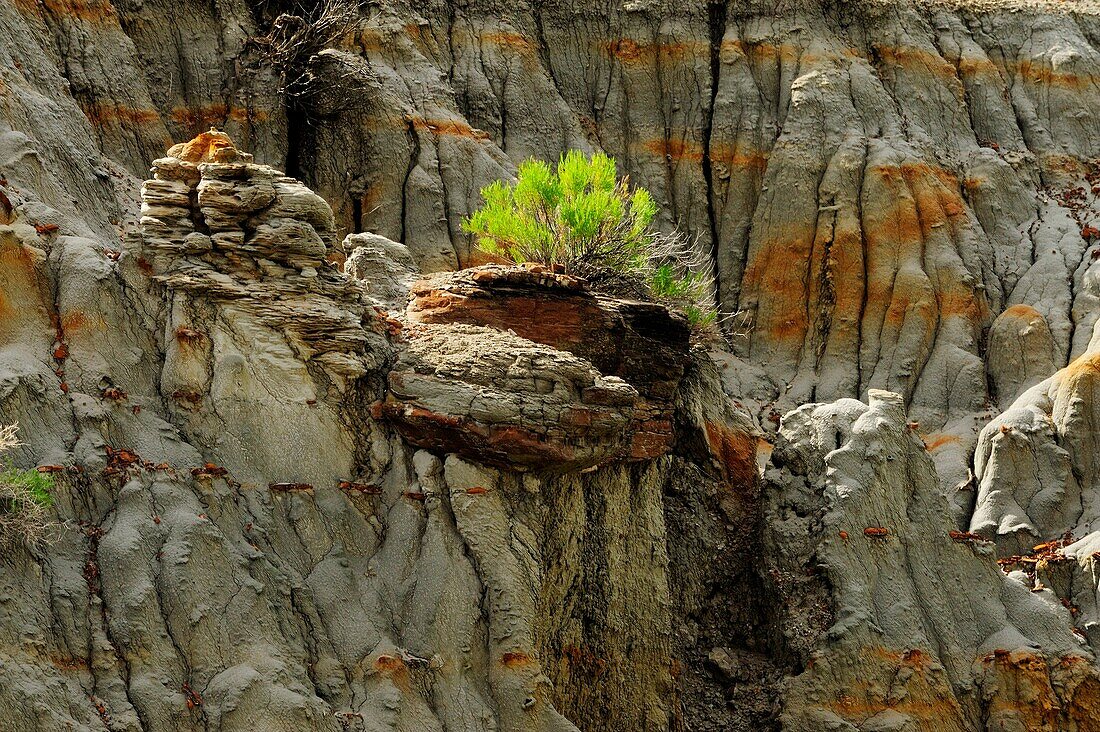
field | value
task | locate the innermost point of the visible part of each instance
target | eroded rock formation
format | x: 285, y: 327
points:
x: 227, y: 231
x: 246, y: 544
x: 641, y: 343
x: 1036, y: 466
x: 862, y: 549
x: 506, y: 401
x: 299, y: 497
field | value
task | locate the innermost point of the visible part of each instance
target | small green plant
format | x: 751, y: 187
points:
x: 581, y: 215
x: 25, y: 498
x: 689, y: 289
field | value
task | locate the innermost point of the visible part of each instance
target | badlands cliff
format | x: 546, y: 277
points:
x: 321, y: 467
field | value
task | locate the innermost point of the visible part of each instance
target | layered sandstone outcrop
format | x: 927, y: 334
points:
x: 643, y: 344
x: 229, y: 231
x: 506, y: 401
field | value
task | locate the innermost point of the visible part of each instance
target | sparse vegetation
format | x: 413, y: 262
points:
x: 582, y: 216
x: 689, y: 289
x: 25, y: 499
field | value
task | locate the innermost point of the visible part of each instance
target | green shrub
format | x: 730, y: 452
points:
x: 25, y: 499
x: 581, y: 215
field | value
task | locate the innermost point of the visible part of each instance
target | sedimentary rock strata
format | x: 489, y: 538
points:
x: 645, y: 344
x: 228, y: 231
x: 246, y: 544
x: 298, y: 496
x: 506, y: 401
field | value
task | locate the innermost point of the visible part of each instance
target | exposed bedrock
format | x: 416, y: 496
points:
x: 874, y: 182
x: 299, y: 498
x: 644, y: 343
x: 505, y: 400
x: 865, y: 568
x: 246, y: 547
x: 639, y: 348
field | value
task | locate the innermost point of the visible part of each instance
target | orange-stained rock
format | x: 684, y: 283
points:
x: 208, y: 147
x: 1021, y: 352
x: 735, y: 450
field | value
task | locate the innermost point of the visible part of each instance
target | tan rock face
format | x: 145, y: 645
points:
x: 209, y: 147
x: 1021, y: 352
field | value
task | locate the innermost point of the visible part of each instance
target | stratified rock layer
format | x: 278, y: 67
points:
x: 228, y: 231
x: 246, y: 547
x: 893, y: 194
x: 645, y: 344
x: 506, y: 401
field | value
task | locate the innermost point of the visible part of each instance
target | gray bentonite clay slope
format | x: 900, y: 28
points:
x: 311, y: 478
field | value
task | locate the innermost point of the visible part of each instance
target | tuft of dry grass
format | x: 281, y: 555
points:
x: 7, y: 437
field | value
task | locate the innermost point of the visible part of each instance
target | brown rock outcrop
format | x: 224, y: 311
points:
x: 209, y: 147
x: 643, y: 343
x: 502, y: 400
